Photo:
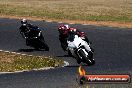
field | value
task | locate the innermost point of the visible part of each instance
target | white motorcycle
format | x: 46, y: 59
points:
x: 80, y: 50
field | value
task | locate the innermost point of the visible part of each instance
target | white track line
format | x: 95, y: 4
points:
x: 60, y: 22
x: 66, y: 63
x: 45, y: 68
x: 1, y: 50
x: 7, y: 51
x: 84, y: 24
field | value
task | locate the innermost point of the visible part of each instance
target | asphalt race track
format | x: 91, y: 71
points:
x: 113, y: 55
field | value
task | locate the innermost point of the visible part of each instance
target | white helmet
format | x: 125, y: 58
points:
x: 24, y: 22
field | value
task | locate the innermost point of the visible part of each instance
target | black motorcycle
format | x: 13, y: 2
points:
x: 34, y: 38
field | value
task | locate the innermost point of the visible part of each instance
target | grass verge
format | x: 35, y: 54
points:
x: 111, y: 13
x: 92, y: 10
x: 10, y: 62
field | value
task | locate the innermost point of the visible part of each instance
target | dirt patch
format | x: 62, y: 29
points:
x: 97, y: 23
x: 7, y: 57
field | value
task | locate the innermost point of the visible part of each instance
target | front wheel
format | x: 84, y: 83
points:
x: 69, y: 53
x: 86, y: 59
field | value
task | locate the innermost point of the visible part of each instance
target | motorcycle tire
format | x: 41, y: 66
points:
x: 43, y: 44
x: 69, y: 53
x: 46, y: 47
x: 86, y: 59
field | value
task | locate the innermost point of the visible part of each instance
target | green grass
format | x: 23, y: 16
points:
x: 93, y: 10
x: 12, y: 62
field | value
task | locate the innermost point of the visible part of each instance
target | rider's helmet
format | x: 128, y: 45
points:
x: 24, y: 22
x: 61, y: 27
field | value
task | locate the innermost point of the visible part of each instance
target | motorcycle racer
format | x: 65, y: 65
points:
x: 64, y: 32
x: 33, y: 35
x: 63, y: 35
x: 28, y: 30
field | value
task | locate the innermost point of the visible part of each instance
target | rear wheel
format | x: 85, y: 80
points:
x: 42, y: 45
x: 27, y: 42
x: 46, y: 47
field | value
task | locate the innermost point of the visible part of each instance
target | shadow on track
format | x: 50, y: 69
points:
x: 84, y: 65
x: 75, y: 66
x: 64, y: 56
x: 28, y: 50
